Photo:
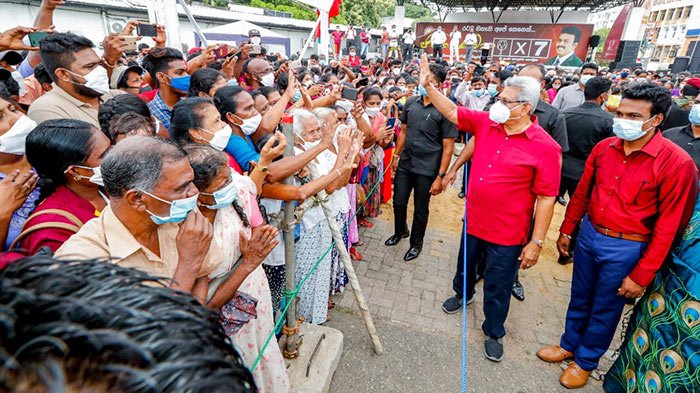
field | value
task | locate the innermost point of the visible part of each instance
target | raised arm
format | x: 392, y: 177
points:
x: 443, y: 104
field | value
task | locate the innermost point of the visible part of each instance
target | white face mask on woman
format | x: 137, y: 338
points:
x: 372, y: 111
x: 12, y: 142
x: 220, y: 138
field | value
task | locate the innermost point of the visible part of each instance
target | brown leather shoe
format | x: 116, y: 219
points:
x: 554, y: 354
x: 574, y: 377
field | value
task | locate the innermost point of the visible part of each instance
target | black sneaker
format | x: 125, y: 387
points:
x: 454, y: 304
x: 493, y: 349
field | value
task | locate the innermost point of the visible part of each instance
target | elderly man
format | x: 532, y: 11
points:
x: 258, y: 72
x: 149, y: 183
x: 515, y: 163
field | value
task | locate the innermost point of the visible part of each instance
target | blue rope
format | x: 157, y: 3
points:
x: 465, y: 296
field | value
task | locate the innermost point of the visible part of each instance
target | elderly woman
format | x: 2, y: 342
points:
x: 67, y: 155
x: 240, y: 291
x: 316, y: 239
x: 338, y: 202
x: 17, y: 180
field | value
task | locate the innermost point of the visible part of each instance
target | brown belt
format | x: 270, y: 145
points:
x: 620, y: 235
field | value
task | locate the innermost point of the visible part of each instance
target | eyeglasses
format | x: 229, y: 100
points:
x: 508, y: 102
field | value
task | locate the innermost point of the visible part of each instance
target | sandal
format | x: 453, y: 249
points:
x: 355, y: 255
x: 365, y: 224
x: 359, y: 243
x: 331, y: 304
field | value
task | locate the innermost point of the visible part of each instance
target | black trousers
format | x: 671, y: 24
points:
x: 407, y: 51
x: 437, y: 51
x: 569, y: 186
x: 404, y: 183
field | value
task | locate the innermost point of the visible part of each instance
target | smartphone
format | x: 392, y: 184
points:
x: 349, y: 94
x: 362, y: 82
x: 146, y: 30
x: 455, y: 80
x: 271, y: 58
x: 130, y: 43
x: 221, y: 51
x: 293, y: 65
x: 391, y: 122
x: 256, y: 50
x: 35, y: 38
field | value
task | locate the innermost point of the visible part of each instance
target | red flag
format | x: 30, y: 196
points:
x: 615, y: 34
x: 333, y: 12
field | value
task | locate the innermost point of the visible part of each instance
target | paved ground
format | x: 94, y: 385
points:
x: 423, y: 344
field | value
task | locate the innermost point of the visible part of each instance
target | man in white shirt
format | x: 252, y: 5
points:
x: 455, y: 38
x: 470, y: 41
x: 437, y: 39
x: 394, y: 42
x: 409, y: 37
x: 350, y: 37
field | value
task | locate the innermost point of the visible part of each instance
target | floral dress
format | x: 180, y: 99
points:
x: 248, y: 318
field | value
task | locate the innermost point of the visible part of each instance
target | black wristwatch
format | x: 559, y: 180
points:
x: 442, y: 175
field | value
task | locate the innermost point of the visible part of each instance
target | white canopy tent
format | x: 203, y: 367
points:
x: 237, y: 32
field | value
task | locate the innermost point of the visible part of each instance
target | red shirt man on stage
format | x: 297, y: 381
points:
x: 635, y: 197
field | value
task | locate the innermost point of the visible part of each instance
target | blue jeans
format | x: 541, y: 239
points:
x: 501, y: 266
x: 385, y: 48
x: 600, y: 264
x: 470, y: 50
x: 363, y: 49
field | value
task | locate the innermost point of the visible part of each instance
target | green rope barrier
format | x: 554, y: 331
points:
x: 291, y: 295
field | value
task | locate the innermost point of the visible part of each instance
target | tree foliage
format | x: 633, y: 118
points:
x: 355, y: 12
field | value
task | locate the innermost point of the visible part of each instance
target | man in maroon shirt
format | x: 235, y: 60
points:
x: 515, y: 163
x: 635, y: 197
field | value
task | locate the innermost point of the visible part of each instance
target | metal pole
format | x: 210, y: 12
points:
x: 292, y: 344
x: 350, y: 270
x: 197, y: 30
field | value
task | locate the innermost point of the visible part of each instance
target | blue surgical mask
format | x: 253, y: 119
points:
x: 478, y: 92
x: 629, y: 130
x: 492, y: 89
x: 585, y: 78
x: 179, y: 209
x: 422, y: 91
x: 297, y: 95
x: 181, y: 83
x: 624, y: 74
x: 224, y: 196
x: 694, y: 115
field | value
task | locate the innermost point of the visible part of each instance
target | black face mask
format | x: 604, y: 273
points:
x: 144, y: 89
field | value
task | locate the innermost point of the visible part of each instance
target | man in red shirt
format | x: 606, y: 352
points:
x: 635, y: 197
x: 515, y: 163
x: 337, y: 40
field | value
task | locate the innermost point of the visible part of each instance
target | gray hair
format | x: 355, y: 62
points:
x: 137, y: 163
x: 323, y: 112
x: 528, y: 89
x: 301, y: 117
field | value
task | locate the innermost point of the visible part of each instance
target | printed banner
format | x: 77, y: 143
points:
x: 564, y: 45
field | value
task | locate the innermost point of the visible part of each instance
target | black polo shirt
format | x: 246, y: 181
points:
x: 683, y: 137
x: 426, y: 128
x: 553, y: 122
x: 586, y: 124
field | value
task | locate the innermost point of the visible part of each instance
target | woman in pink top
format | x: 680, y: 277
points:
x: 337, y: 39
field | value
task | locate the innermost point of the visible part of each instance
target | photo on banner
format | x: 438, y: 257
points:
x: 563, y: 45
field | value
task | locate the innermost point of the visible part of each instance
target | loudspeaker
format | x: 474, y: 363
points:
x: 484, y: 55
x: 627, y: 52
x: 594, y: 41
x: 680, y: 64
x: 694, y: 52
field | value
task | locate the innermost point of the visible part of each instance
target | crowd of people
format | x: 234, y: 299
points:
x: 174, y: 165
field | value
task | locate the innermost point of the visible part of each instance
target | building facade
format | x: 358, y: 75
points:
x: 671, y: 28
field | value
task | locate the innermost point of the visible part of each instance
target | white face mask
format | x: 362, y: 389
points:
x: 372, y: 111
x: 630, y: 130
x: 96, y: 177
x: 309, y: 145
x: 96, y: 80
x: 585, y: 78
x: 221, y: 137
x: 499, y: 112
x: 251, y: 124
x: 268, y: 80
x: 396, y: 71
x: 17, y: 76
x: 308, y: 83
x: 12, y: 142
x: 353, y: 53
